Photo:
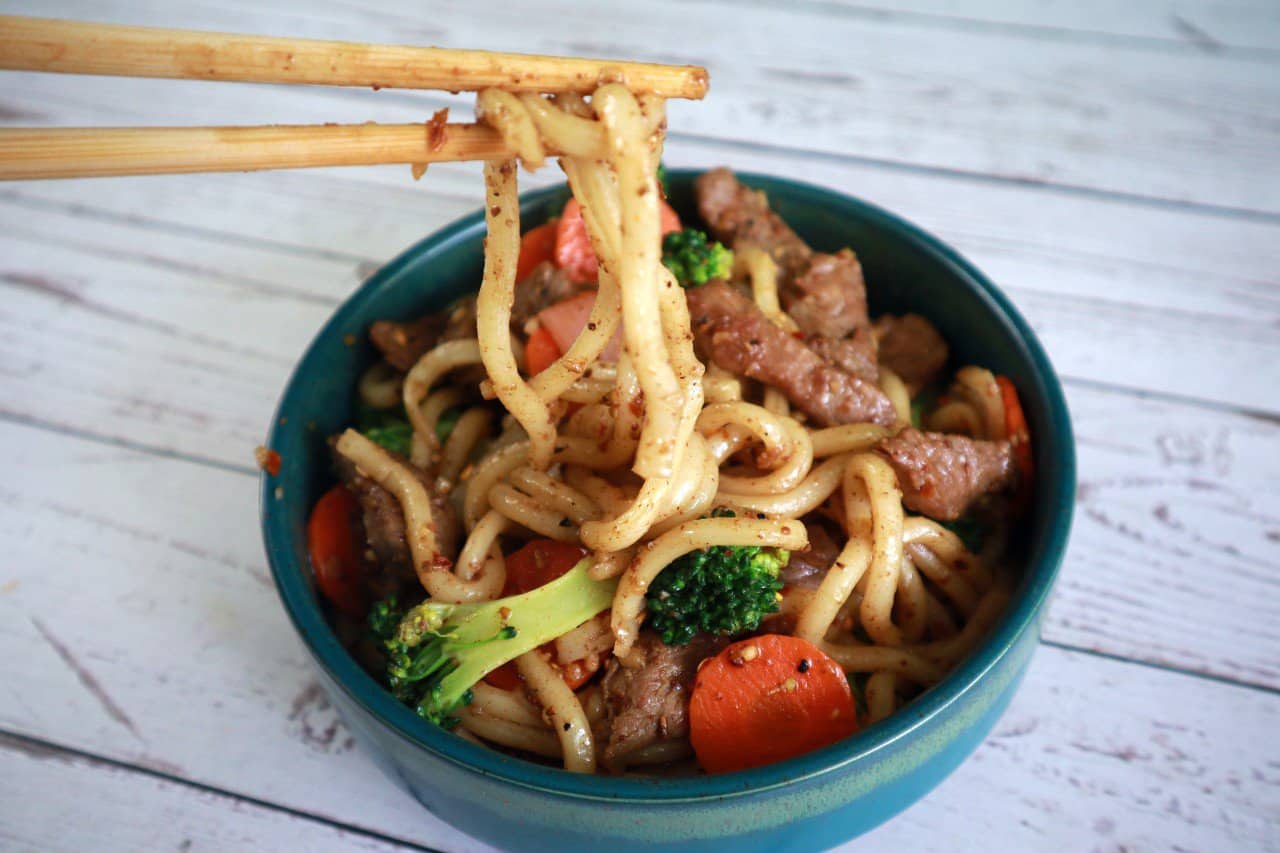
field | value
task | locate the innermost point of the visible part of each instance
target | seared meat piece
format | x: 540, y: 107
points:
x: 808, y: 567
x: 543, y: 287
x: 912, y: 348
x: 828, y: 297
x: 824, y: 293
x: 650, y: 703
x: 731, y: 331
x: 402, y: 344
x: 738, y: 215
x: 941, y: 475
x: 384, y: 526
x: 855, y: 354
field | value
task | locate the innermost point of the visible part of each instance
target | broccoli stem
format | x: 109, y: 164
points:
x: 479, y: 638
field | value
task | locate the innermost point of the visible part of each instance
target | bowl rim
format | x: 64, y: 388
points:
x: 1021, y: 616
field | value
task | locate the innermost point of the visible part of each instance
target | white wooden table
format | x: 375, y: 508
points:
x: 1114, y: 166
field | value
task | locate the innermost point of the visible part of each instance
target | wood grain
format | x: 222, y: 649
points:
x: 38, y: 782
x: 1209, y: 27
x: 1191, y: 127
x: 147, y: 574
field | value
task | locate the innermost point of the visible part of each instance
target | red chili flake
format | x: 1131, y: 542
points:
x: 441, y: 563
x: 268, y: 460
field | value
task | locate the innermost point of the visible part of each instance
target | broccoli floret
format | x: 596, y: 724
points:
x: 396, y: 436
x: 693, y: 259
x: 722, y: 590
x: 436, y: 651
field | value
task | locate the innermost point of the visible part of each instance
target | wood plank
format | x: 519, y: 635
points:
x: 1211, y: 27
x: 55, y: 800
x: 127, y: 664
x: 1190, y: 127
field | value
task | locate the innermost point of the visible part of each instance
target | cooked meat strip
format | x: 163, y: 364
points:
x: 824, y: 293
x: 911, y: 347
x: 828, y: 297
x: 384, y: 526
x: 731, y: 331
x: 542, y: 288
x: 941, y: 475
x: 855, y: 354
x: 650, y: 703
x: 402, y: 344
x: 738, y: 215
x: 807, y: 568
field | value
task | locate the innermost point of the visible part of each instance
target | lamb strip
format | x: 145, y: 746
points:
x: 402, y: 344
x: 738, y: 216
x: 650, y: 703
x: 911, y: 347
x: 855, y: 354
x: 384, y: 526
x: 824, y: 293
x: 942, y: 475
x: 731, y: 331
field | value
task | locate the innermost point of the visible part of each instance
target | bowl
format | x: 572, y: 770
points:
x: 810, y: 802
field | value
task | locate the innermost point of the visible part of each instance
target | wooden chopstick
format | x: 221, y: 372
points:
x: 27, y: 154
x: 74, y: 47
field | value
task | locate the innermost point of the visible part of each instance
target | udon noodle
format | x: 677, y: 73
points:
x: 629, y: 456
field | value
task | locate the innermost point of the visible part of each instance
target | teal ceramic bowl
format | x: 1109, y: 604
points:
x: 808, y: 803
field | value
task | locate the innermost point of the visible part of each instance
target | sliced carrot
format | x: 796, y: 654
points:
x: 540, y: 351
x: 767, y: 699
x: 333, y: 542
x: 537, y: 245
x: 1019, y: 435
x: 573, y: 252
x: 537, y: 564
x: 505, y: 677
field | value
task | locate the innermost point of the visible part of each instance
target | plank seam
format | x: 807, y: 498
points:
x: 39, y: 748
x: 1162, y: 667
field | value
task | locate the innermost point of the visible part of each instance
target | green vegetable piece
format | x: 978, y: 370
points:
x: 663, y: 182
x: 446, y: 422
x: 694, y: 259
x: 437, y: 651
x: 972, y: 532
x: 396, y: 437
x: 722, y: 590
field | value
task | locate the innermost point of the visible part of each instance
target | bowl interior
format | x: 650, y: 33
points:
x: 906, y: 270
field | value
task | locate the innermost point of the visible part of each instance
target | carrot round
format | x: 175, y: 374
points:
x: 537, y: 245
x: 573, y: 252
x: 767, y: 699
x: 333, y: 542
x: 1016, y: 430
x: 540, y: 351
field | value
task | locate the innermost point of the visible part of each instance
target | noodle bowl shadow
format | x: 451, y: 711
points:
x: 810, y: 802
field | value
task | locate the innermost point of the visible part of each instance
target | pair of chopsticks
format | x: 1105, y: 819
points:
x: 72, y: 47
